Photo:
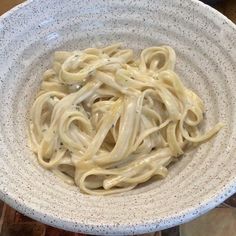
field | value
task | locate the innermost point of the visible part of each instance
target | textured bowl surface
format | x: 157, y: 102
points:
x: 205, y: 43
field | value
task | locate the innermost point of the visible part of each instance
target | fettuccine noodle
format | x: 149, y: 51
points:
x: 106, y: 121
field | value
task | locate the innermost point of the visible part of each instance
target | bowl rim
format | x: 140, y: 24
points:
x: 210, y: 200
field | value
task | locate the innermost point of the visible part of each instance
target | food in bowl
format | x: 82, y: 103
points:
x: 108, y: 121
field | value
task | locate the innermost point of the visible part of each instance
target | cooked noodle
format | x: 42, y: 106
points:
x: 106, y: 121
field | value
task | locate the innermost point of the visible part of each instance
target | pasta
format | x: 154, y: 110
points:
x: 107, y: 121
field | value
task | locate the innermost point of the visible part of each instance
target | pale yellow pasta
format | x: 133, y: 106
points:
x: 108, y: 121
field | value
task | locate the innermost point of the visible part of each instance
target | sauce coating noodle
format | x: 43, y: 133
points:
x: 107, y: 121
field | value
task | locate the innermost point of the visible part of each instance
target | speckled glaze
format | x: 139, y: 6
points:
x: 205, y: 43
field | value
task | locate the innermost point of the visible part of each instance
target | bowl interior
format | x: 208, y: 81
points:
x: 206, y: 64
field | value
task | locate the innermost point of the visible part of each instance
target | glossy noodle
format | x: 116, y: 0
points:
x: 107, y: 121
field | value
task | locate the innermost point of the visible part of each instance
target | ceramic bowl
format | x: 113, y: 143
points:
x: 205, y: 43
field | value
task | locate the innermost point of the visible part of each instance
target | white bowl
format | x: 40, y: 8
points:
x: 205, y: 43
